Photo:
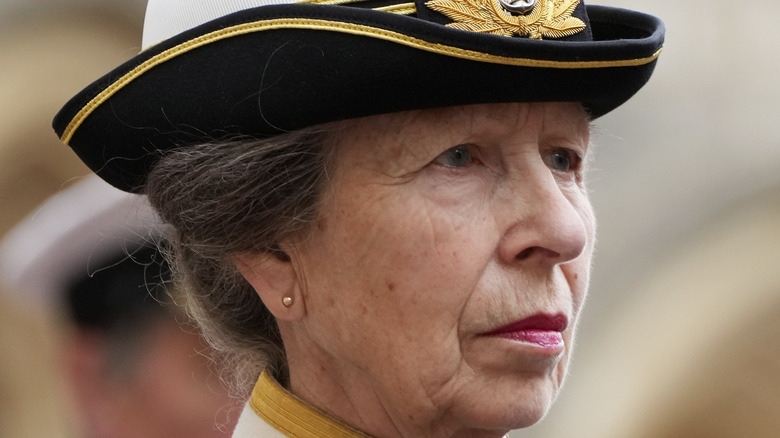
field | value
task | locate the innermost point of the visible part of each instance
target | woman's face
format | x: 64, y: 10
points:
x: 443, y: 282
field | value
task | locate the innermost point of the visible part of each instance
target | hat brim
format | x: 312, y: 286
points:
x: 273, y: 69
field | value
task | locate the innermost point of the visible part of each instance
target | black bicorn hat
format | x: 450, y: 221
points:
x: 258, y: 68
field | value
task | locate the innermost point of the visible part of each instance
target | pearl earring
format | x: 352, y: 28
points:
x: 287, y: 301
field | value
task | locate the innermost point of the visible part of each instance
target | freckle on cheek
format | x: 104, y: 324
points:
x: 390, y: 286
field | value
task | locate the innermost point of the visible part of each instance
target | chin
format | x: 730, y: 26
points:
x: 530, y: 413
x: 515, y: 406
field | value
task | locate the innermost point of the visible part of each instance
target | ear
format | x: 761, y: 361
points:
x: 273, y: 278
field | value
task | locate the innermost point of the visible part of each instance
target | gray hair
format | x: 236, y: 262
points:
x: 235, y: 197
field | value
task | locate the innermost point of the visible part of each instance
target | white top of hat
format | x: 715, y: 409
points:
x: 166, y: 18
x: 71, y: 235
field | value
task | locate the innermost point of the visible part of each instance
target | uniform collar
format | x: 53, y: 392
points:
x: 292, y: 416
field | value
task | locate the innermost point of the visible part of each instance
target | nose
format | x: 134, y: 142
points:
x: 546, y: 221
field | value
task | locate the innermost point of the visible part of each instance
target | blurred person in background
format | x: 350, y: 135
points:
x: 48, y: 48
x: 132, y: 366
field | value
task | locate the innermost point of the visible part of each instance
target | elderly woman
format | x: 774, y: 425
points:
x: 378, y: 208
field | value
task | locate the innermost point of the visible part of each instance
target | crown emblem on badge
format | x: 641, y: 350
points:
x: 535, y: 19
x: 518, y: 6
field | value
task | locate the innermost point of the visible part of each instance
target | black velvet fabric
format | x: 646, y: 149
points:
x: 266, y: 82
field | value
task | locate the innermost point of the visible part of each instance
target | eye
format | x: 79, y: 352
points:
x: 563, y: 160
x: 459, y: 156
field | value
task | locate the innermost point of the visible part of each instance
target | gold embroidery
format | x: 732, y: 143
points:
x: 291, y: 416
x: 549, y: 18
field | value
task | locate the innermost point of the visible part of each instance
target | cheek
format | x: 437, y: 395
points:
x: 393, y: 261
x: 577, y: 272
x: 584, y: 262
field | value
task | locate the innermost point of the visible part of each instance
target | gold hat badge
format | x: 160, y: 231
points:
x: 525, y: 18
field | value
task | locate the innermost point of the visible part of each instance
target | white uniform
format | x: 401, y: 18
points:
x: 250, y: 425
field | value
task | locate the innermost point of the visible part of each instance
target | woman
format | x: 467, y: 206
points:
x: 378, y: 208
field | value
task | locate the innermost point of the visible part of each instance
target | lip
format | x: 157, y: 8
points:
x: 541, y: 330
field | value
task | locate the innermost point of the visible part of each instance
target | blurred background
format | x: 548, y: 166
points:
x: 681, y: 333
x: 90, y: 344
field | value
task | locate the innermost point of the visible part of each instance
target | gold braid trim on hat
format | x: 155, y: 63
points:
x: 402, y: 9
x: 398, y: 8
x: 549, y: 18
x: 329, y: 2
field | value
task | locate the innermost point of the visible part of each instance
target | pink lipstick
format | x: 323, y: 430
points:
x: 540, y: 330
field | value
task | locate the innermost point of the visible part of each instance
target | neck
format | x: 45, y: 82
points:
x: 351, y: 396
x: 341, y: 395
